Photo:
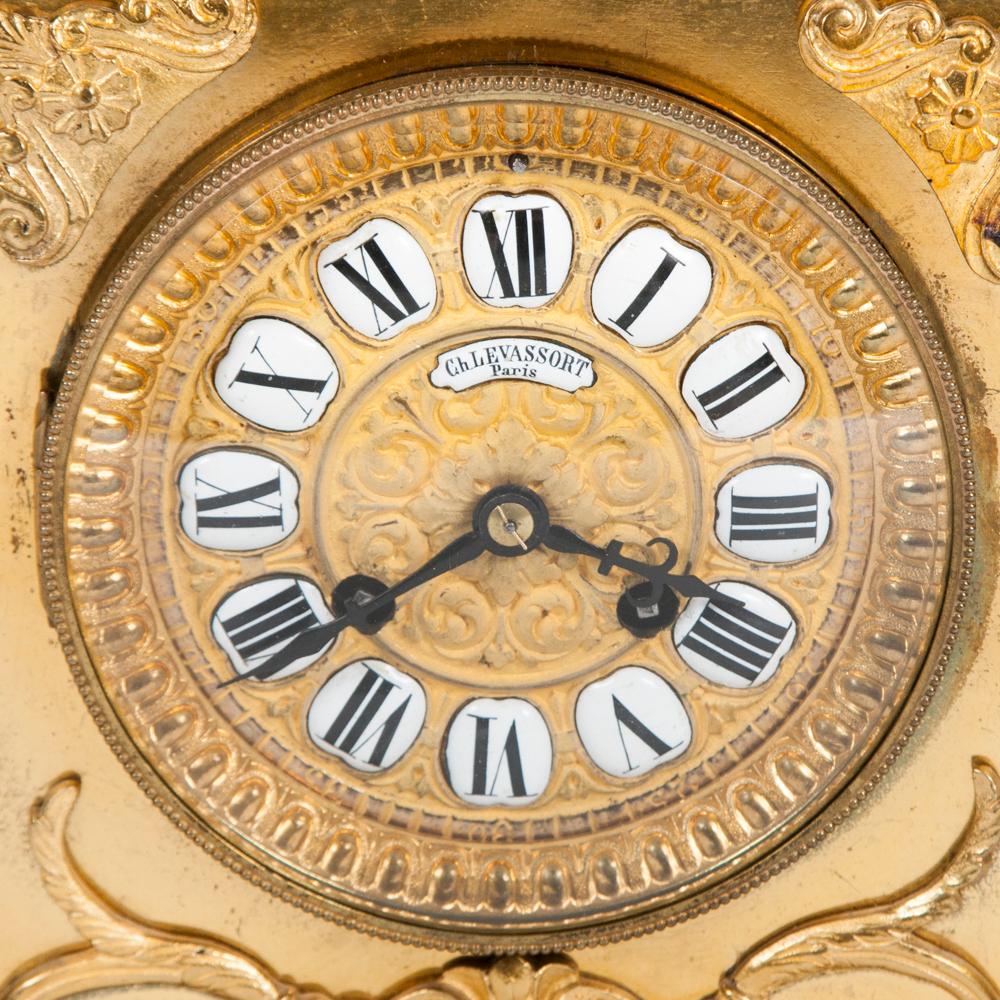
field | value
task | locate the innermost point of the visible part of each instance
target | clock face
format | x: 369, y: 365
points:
x: 507, y: 510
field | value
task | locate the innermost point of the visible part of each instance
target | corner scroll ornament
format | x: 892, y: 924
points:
x: 79, y: 90
x: 887, y: 934
x: 934, y: 86
x: 124, y: 950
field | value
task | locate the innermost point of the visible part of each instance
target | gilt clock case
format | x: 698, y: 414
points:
x: 724, y: 448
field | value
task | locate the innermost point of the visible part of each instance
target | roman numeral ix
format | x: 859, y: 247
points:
x: 225, y: 498
x: 405, y: 304
x: 529, y: 245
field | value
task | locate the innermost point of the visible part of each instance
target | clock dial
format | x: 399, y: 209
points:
x: 529, y: 517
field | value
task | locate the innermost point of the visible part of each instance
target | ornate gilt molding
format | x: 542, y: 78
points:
x: 79, y: 90
x: 886, y: 934
x: 124, y: 950
x: 934, y: 85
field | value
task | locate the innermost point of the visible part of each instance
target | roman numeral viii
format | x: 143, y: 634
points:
x: 262, y: 617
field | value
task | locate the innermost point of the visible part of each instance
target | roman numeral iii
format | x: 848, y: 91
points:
x: 236, y: 499
x: 774, y: 512
x: 517, y: 249
x: 378, y: 279
x: 368, y: 714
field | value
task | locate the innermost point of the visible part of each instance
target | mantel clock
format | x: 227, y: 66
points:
x: 501, y: 507
x: 506, y: 508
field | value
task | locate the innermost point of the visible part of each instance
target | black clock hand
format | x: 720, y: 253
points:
x: 658, y: 574
x: 463, y: 549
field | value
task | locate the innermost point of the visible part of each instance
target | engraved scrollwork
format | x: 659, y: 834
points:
x: 423, y: 467
x: 74, y: 80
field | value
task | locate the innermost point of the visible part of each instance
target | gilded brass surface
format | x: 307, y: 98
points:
x: 396, y: 466
x: 94, y: 77
x: 933, y: 84
x: 124, y: 950
x: 743, y: 58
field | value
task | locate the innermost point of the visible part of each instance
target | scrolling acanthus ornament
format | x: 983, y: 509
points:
x: 72, y: 103
x: 887, y: 934
x: 934, y: 85
x: 125, y: 951
x: 884, y: 934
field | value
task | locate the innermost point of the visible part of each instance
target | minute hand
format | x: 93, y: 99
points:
x: 463, y: 549
x: 610, y: 556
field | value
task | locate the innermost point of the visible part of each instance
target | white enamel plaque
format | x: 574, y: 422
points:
x: 735, y: 647
x: 743, y: 383
x: 378, y: 279
x: 368, y: 714
x: 513, y: 358
x: 259, y: 619
x: 778, y: 512
x: 649, y: 287
x: 235, y: 499
x: 276, y: 375
x: 498, y: 751
x: 632, y: 721
x: 517, y: 249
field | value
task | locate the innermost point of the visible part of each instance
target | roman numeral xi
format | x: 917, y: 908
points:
x: 397, y: 304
